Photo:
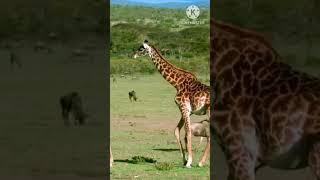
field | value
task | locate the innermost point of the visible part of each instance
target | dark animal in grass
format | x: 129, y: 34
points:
x: 133, y: 96
x: 72, y: 103
x: 15, y: 60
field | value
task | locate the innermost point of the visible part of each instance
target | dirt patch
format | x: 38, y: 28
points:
x: 155, y: 123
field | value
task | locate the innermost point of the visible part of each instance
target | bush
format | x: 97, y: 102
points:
x: 164, y: 166
x: 123, y: 64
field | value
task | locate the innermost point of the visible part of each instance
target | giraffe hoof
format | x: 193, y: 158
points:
x: 200, y: 164
x: 188, y: 166
x: 185, y: 162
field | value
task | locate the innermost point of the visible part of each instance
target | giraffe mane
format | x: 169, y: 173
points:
x: 244, y: 33
x: 157, y: 51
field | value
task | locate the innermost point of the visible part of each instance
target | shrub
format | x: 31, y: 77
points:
x: 164, y: 166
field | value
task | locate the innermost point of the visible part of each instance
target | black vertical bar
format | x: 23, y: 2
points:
x: 212, y: 95
x: 108, y: 40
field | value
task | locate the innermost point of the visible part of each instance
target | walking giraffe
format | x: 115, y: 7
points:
x: 265, y: 113
x: 192, y: 97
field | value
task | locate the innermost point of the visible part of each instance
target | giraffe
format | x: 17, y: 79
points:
x: 192, y: 97
x: 265, y: 112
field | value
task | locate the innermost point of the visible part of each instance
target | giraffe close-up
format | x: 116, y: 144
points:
x: 192, y: 97
x: 265, y: 112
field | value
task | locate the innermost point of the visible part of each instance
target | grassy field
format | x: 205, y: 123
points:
x: 145, y: 128
x: 34, y: 142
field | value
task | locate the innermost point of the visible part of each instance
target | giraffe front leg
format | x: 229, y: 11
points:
x: 177, y: 135
x: 188, y: 140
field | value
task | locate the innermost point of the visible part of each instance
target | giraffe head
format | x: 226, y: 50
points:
x: 143, y: 50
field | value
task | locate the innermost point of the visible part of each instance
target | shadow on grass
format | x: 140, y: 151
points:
x: 136, y: 160
x: 166, y: 150
x: 125, y: 161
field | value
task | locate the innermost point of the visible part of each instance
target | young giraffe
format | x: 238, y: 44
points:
x: 265, y: 113
x: 192, y: 96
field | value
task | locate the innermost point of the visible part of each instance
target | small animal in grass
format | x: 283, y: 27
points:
x: 201, y: 129
x: 133, y: 96
x: 72, y: 103
x: 15, y: 60
x: 114, y: 79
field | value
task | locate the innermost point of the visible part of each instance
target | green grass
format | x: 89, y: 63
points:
x: 145, y: 129
x: 164, y: 166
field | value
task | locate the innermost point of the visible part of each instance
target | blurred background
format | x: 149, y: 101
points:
x: 293, y: 29
x: 292, y: 26
x: 49, y: 49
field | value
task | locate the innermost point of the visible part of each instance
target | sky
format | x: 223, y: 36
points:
x: 162, y: 3
x: 166, y: 1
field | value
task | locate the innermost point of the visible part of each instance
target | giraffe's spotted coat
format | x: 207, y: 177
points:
x: 266, y: 113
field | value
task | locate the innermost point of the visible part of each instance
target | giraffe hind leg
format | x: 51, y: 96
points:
x: 201, y: 139
x: 188, y: 140
x: 205, y: 153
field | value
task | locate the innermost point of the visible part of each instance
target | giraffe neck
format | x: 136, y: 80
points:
x: 170, y: 73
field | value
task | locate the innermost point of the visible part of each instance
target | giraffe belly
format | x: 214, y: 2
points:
x: 293, y: 156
